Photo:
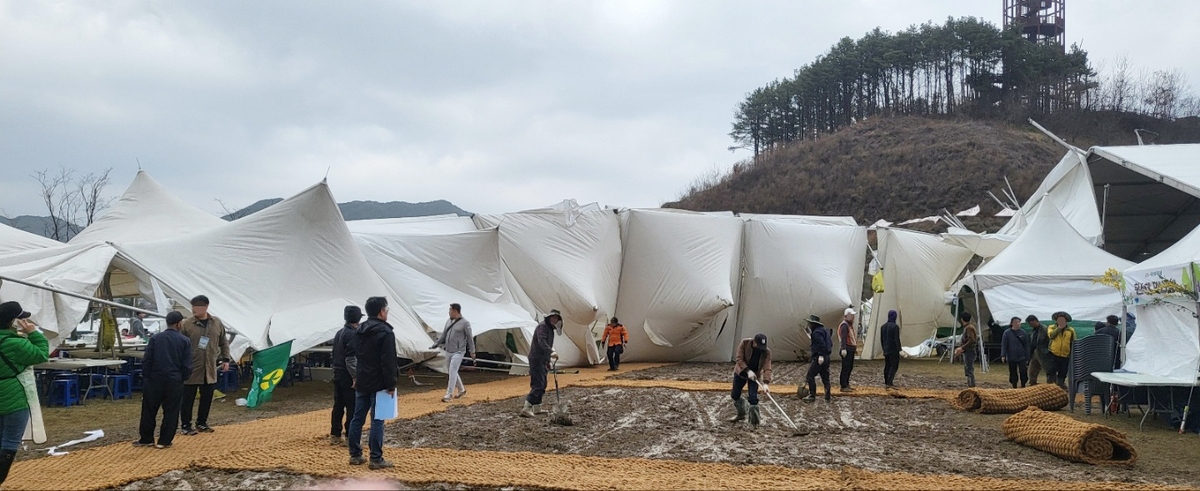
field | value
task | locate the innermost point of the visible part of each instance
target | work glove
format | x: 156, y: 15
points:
x: 750, y: 375
x: 765, y: 388
x: 553, y: 357
x: 820, y: 360
x: 843, y: 353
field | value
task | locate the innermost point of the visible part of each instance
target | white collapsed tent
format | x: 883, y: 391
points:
x: 1069, y: 187
x: 13, y: 239
x: 796, y: 266
x: 918, y: 268
x: 75, y: 268
x: 679, y: 280
x: 433, y: 262
x: 1050, y: 267
x: 567, y: 258
x: 281, y: 274
x: 1167, y: 343
x: 146, y: 211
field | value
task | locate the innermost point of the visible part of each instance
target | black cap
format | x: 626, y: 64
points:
x: 352, y: 314
x: 199, y: 300
x: 174, y: 317
x: 760, y: 340
x: 10, y: 311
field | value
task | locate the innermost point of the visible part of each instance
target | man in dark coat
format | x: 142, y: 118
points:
x: 1014, y: 350
x: 848, y: 336
x: 1039, y: 348
x: 375, y: 348
x: 541, y: 354
x: 889, y: 338
x: 822, y: 348
x: 345, y: 368
x: 167, y: 363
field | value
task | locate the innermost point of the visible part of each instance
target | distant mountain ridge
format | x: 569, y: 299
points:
x: 354, y: 210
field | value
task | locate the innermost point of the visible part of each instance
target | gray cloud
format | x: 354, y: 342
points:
x: 496, y: 106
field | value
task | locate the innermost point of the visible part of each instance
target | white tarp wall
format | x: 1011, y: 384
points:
x: 1166, y: 343
x: 1069, y: 185
x: 918, y: 268
x: 280, y: 274
x: 795, y: 267
x: 564, y: 257
x: 679, y: 280
x: 77, y: 268
x: 429, y: 271
x: 1050, y: 267
x: 17, y: 240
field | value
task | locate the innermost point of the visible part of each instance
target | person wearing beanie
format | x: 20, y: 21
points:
x: 616, y: 337
x: 210, y: 348
x: 345, y: 368
x: 541, y: 355
x: 889, y: 339
x: 969, y: 348
x: 753, y: 367
x: 848, y: 336
x: 821, y: 345
x: 21, y: 346
x: 1061, y: 335
x: 1039, y: 349
x: 167, y: 363
x: 375, y: 353
x: 1014, y: 350
x: 458, y: 341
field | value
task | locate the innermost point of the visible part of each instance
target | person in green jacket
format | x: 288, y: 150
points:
x: 21, y: 345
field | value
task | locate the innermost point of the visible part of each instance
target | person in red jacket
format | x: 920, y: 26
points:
x: 616, y: 338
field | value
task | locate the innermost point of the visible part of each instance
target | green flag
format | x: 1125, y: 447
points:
x: 269, y: 365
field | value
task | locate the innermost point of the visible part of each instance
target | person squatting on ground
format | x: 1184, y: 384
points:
x: 458, y: 341
x: 1039, y: 349
x: 1014, y: 350
x: 375, y: 353
x: 345, y: 369
x: 616, y: 338
x: 21, y: 346
x: 753, y: 367
x: 969, y: 348
x: 1061, y: 335
x: 210, y: 346
x: 167, y: 363
x: 541, y: 352
x: 889, y: 339
x: 822, y: 348
x: 849, y: 339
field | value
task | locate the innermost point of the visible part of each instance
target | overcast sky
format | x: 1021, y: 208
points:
x: 494, y: 105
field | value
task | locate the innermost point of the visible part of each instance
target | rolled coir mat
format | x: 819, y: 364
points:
x: 1068, y: 438
x: 1049, y: 397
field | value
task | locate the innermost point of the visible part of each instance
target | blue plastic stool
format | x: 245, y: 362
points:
x: 227, y: 380
x: 98, y: 383
x: 68, y: 375
x: 64, y: 392
x: 120, y: 386
x: 139, y: 382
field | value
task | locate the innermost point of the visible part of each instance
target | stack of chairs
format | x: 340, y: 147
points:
x: 1089, y: 355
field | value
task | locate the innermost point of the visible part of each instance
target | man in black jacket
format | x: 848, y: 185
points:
x: 541, y: 354
x: 889, y: 339
x: 822, y: 347
x: 168, y: 362
x: 345, y: 368
x: 1014, y: 350
x: 375, y: 346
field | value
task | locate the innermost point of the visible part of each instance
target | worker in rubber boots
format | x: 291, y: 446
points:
x: 540, y: 353
x: 753, y: 367
x: 848, y: 336
x: 616, y: 338
x: 821, y: 346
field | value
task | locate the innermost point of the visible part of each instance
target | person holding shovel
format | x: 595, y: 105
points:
x: 753, y: 368
x: 821, y: 346
x: 616, y: 337
x: 540, y: 353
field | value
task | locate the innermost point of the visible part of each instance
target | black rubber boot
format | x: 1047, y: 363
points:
x: 754, y: 420
x: 740, y: 405
x: 6, y: 460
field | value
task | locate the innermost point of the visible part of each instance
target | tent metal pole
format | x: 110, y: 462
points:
x: 1124, y: 329
x: 81, y: 297
x: 954, y: 311
x: 983, y: 363
x: 1188, y: 405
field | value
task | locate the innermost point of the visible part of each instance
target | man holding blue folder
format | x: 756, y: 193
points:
x: 375, y: 343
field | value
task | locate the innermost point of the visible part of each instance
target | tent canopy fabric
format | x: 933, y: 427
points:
x: 1153, y: 195
x: 679, y: 278
x: 77, y: 268
x: 13, y: 239
x: 1167, y: 343
x: 435, y: 224
x: 1069, y: 186
x: 272, y: 275
x: 918, y: 268
x: 1050, y: 267
x: 791, y: 272
x: 147, y: 211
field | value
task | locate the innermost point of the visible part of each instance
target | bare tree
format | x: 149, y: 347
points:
x: 1163, y: 93
x: 90, y: 189
x: 60, y: 198
x: 1121, y: 86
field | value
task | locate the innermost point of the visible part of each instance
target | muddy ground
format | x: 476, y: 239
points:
x: 197, y: 479
x: 119, y: 418
x: 925, y: 374
x: 878, y: 434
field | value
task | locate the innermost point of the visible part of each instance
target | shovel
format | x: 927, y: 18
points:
x: 796, y: 431
x: 559, y: 415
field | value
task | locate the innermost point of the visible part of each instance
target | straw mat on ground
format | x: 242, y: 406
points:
x: 1068, y: 438
x: 1049, y: 397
